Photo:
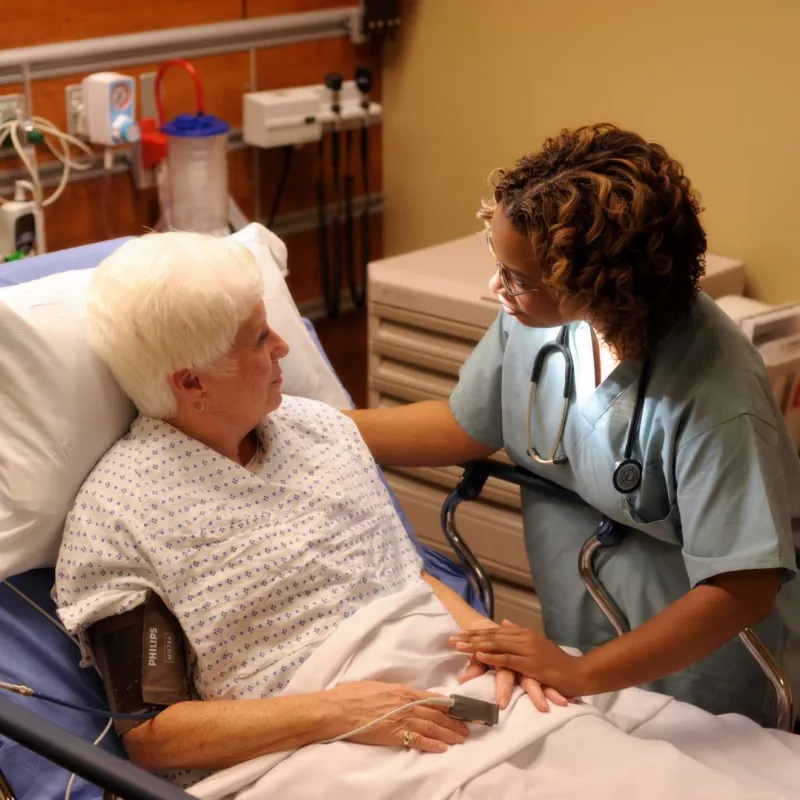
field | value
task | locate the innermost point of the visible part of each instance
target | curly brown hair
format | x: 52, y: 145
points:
x: 615, y: 230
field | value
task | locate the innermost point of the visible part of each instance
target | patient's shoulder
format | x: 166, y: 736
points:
x: 305, y: 411
x: 125, y: 457
x: 118, y: 474
x: 299, y: 415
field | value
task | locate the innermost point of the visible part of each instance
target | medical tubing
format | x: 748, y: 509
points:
x: 198, y: 86
x: 637, y: 412
x: 447, y: 702
x: 560, y: 345
x: 71, y: 781
x: 33, y: 604
x: 26, y: 691
x: 288, y: 152
x: 47, y: 129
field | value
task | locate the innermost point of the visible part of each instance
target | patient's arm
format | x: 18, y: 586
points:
x: 417, y: 435
x: 216, y: 734
x: 213, y: 734
x: 468, y: 618
x: 461, y: 611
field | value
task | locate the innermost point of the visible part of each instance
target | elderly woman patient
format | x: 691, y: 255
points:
x: 261, y: 522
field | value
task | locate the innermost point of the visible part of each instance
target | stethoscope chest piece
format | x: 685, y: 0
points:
x: 627, y: 475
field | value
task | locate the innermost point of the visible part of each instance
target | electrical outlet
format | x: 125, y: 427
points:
x: 76, y: 119
x: 12, y: 106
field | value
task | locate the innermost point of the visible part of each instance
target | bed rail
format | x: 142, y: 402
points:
x: 73, y: 753
x: 469, y: 488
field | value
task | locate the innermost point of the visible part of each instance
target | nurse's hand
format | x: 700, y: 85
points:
x: 506, y: 678
x: 546, y: 671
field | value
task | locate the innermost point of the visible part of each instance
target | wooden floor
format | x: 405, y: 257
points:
x: 345, y: 342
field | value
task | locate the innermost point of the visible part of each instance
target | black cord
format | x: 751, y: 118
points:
x: 288, y: 151
x: 331, y: 299
x: 349, y: 228
x: 337, y: 219
x: 641, y: 391
x: 366, y: 229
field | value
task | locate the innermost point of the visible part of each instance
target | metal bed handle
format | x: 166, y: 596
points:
x: 73, y: 753
x: 754, y: 645
x: 469, y: 488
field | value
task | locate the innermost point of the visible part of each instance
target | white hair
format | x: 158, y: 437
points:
x: 169, y: 301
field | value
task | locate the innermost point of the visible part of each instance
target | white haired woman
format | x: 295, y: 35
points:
x: 260, y: 522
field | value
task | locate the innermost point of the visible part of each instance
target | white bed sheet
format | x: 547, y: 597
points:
x: 632, y: 744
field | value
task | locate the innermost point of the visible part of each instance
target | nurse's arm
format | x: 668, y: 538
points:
x: 683, y: 633
x: 417, y: 435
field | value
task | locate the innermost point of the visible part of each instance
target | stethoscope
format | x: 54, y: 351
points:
x: 627, y: 474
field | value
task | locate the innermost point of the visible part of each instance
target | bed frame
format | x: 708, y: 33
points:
x: 469, y: 488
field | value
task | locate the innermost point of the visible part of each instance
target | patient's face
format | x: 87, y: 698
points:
x: 250, y: 388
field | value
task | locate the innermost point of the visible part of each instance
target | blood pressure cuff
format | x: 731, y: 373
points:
x: 141, y: 658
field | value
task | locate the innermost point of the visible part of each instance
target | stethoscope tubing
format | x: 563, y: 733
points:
x: 627, y: 473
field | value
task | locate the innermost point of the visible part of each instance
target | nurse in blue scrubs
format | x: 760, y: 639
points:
x: 597, y: 250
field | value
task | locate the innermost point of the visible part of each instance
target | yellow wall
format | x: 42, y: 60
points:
x: 472, y: 84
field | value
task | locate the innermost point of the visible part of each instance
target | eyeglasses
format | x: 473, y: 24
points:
x: 507, y: 278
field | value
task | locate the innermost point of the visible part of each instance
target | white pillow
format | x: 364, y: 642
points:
x: 61, y: 409
x: 305, y: 371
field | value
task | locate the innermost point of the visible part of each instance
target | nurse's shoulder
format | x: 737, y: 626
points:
x: 714, y: 372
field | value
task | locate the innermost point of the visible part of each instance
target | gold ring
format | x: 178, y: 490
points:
x: 407, y: 737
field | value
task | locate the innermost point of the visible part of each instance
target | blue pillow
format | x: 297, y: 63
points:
x: 83, y: 257
x: 33, y: 652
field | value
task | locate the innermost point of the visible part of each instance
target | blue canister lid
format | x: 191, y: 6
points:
x: 196, y: 125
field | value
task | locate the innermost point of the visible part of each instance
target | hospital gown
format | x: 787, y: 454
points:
x: 258, y: 564
x: 720, y: 490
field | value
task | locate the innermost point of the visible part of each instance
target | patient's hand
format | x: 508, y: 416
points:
x: 428, y: 728
x: 506, y: 678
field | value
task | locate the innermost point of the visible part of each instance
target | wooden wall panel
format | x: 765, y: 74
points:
x: 304, y: 275
x: 45, y: 21
x: 91, y: 210
x: 265, y: 8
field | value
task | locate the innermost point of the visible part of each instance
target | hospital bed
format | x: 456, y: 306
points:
x: 32, y: 650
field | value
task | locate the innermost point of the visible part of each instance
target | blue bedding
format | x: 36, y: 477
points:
x: 33, y: 651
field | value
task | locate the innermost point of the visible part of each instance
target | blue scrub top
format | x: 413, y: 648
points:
x: 720, y: 490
